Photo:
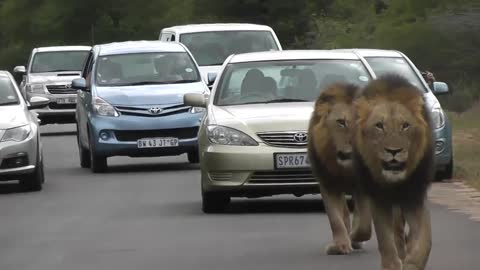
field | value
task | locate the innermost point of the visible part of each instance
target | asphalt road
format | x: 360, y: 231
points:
x: 145, y: 214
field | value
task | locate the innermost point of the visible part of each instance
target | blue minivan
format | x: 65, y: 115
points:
x: 130, y: 102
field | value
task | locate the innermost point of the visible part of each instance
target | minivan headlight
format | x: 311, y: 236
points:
x: 17, y: 134
x: 36, y: 88
x: 197, y: 110
x: 438, y: 116
x: 104, y: 108
x: 229, y: 136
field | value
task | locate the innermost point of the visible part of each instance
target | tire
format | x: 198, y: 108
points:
x: 213, y: 202
x: 193, y: 157
x: 35, y: 180
x: 98, y: 164
x: 84, y: 154
x: 447, y: 174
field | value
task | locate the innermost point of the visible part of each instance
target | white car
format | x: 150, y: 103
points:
x: 211, y: 44
x: 20, y: 148
x: 253, y: 137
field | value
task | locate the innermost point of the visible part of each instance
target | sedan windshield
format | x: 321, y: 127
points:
x: 58, y: 61
x: 146, y: 68
x: 212, y: 48
x: 8, y: 94
x: 396, y: 65
x: 285, y: 81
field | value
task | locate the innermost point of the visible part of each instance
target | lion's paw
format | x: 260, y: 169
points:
x: 410, y: 267
x: 357, y: 245
x: 339, y: 249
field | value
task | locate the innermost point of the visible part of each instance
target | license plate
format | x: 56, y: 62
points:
x: 157, y: 142
x: 291, y: 160
x: 70, y: 100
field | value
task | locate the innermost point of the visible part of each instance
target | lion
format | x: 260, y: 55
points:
x: 393, y: 155
x: 330, y: 155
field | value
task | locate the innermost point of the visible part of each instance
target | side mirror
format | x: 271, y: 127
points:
x: 79, y: 84
x: 38, y: 103
x: 440, y: 88
x: 195, y: 100
x: 20, y: 70
x: 211, y: 77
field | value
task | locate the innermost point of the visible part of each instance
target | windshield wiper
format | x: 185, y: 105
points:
x: 62, y: 70
x: 280, y: 100
x: 9, y: 103
x: 181, y: 81
x: 140, y: 83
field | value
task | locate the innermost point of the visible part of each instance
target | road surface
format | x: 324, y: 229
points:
x: 145, y: 214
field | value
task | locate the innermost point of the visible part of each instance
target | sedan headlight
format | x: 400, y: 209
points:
x: 104, y: 108
x: 197, y: 110
x: 229, y: 136
x: 17, y: 134
x: 36, y: 88
x: 438, y: 117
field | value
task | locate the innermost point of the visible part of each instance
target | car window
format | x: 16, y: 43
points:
x: 397, y: 65
x: 272, y: 81
x: 58, y: 61
x: 212, y: 48
x: 8, y: 94
x: 146, y: 68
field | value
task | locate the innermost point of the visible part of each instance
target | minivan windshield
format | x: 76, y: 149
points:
x: 146, y: 68
x: 285, y: 81
x: 58, y: 61
x: 212, y: 48
x: 397, y: 65
x: 8, y: 94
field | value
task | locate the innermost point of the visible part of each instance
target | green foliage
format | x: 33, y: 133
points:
x: 438, y: 35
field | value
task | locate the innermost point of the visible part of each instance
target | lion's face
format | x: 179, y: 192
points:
x: 392, y: 140
x: 339, y: 122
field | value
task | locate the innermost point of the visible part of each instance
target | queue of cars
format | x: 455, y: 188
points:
x: 227, y: 95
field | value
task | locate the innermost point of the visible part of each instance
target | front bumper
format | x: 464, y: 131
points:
x: 18, y: 158
x: 124, y: 131
x: 56, y: 112
x: 249, y: 171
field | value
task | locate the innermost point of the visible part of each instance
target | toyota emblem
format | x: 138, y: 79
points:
x: 300, y: 137
x: 155, y: 110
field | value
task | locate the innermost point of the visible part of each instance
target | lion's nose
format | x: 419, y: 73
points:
x: 393, y: 151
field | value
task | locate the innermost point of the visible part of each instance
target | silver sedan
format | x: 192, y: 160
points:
x: 20, y: 148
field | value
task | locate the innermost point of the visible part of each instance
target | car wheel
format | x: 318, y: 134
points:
x: 193, y: 156
x: 98, y: 164
x: 35, y: 180
x: 83, y: 153
x: 447, y: 173
x: 214, y: 202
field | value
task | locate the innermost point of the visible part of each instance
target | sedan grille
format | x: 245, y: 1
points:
x: 283, y: 177
x: 285, y: 139
x: 60, y: 89
x: 134, y: 135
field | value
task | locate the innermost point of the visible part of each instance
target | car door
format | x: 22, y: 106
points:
x: 84, y: 101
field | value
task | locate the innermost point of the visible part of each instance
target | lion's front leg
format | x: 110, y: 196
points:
x: 383, y: 223
x: 362, y: 220
x: 419, y: 239
x: 399, y: 229
x: 335, y: 207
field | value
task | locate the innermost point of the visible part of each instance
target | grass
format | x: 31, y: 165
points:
x: 466, y: 145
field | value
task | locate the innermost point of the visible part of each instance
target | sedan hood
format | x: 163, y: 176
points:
x: 54, y: 77
x: 149, y: 94
x: 292, y: 116
x: 12, y: 116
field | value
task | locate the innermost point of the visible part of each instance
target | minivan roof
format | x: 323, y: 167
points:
x: 142, y: 46
x: 212, y: 27
x: 62, y: 48
x: 293, y: 55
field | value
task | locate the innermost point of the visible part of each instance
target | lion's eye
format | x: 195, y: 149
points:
x: 405, y: 126
x: 379, y: 125
x: 342, y: 122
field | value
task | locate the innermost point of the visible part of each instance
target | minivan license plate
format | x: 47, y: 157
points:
x: 291, y: 160
x: 157, y: 142
x: 69, y: 100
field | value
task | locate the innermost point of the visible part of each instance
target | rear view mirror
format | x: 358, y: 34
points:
x: 440, y: 88
x: 38, y: 103
x: 79, y: 84
x: 195, y: 100
x: 20, y: 70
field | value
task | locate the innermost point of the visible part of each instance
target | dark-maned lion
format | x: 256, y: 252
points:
x: 394, y: 158
x: 330, y: 154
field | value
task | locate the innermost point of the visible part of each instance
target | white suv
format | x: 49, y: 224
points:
x: 211, y: 44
